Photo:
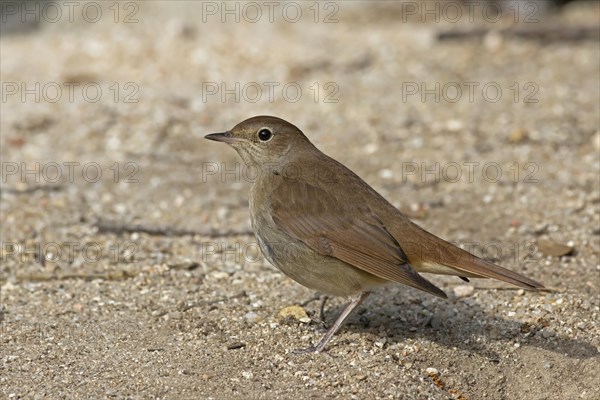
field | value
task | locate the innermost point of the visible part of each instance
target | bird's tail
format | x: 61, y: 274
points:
x: 437, y: 256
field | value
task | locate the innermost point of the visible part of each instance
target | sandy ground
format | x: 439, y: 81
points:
x: 128, y: 269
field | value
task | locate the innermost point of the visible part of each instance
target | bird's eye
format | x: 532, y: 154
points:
x: 264, y: 134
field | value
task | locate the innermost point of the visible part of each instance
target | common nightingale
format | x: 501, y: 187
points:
x: 327, y: 229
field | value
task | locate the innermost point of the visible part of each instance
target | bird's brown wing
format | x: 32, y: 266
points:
x: 340, y: 228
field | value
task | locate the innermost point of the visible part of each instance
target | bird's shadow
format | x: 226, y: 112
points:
x: 455, y: 323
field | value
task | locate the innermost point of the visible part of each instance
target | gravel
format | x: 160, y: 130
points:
x: 144, y: 282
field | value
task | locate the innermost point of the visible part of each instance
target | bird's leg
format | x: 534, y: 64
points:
x: 336, y: 325
x: 318, y: 296
x: 322, y: 308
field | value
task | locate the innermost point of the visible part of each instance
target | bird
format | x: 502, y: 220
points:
x: 324, y: 227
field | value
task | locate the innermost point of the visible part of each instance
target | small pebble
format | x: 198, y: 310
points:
x: 371, y: 148
x: 454, y: 125
x: 540, y: 228
x: 247, y: 374
x: 463, y: 291
x: 517, y: 136
x: 235, y: 346
x: 251, y: 317
x: 218, y: 275
x: 386, y: 173
x: 552, y: 248
x: 295, y: 312
x: 546, y: 333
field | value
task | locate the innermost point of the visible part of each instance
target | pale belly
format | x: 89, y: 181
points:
x: 318, y: 272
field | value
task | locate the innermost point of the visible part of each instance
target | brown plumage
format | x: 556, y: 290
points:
x: 326, y: 228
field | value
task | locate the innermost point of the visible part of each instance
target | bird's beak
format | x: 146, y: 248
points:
x: 225, y: 137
